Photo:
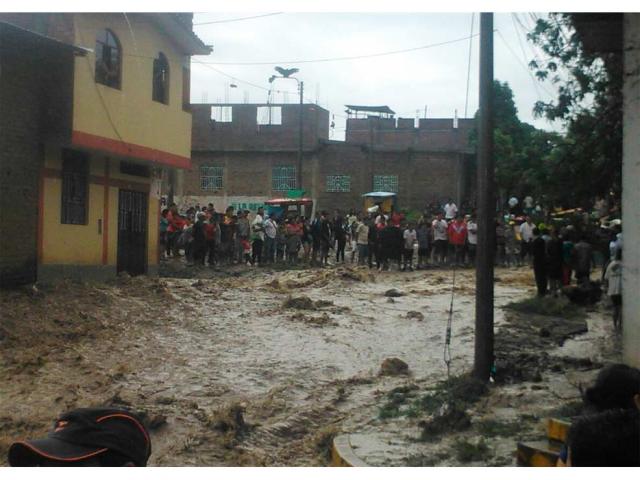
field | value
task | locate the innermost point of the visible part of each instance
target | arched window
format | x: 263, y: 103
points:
x: 108, y: 59
x: 161, y: 79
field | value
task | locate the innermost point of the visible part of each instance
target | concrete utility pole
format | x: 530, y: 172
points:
x: 287, y: 73
x: 483, y: 358
x: 300, y: 147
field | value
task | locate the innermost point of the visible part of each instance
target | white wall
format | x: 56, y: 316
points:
x: 631, y: 192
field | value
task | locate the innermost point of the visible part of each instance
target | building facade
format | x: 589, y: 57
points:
x: 126, y: 96
x: 244, y: 154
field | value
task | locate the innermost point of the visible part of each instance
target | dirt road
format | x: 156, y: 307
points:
x: 255, y: 368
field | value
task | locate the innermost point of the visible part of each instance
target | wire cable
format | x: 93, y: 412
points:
x: 535, y: 82
x: 466, y: 98
x: 353, y: 57
x: 237, y: 19
x: 447, y: 341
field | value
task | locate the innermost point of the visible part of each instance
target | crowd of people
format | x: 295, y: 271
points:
x: 439, y: 237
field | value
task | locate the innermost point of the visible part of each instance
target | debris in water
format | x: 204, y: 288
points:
x: 390, y: 300
x: 394, y: 366
x: 197, y: 284
x: 300, y: 303
x: 415, y: 315
x: 392, y: 292
x: 321, y: 321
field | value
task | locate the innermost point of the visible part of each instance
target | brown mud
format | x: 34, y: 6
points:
x: 225, y: 371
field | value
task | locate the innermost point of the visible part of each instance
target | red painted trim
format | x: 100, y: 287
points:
x: 127, y: 417
x: 87, y: 140
x: 96, y: 180
x: 62, y: 459
x: 105, y: 216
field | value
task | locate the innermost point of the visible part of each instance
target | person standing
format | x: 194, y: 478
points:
x: 613, y: 279
x: 210, y: 239
x: 316, y: 227
x: 199, y: 239
x: 362, y: 241
x: 440, y: 239
x: 457, y: 233
x: 257, y: 230
x: 472, y: 239
x: 450, y: 210
x: 243, y: 229
x: 567, y: 256
x: 554, y: 261
x: 409, y: 236
x: 511, y: 250
x: 372, y: 243
x: 424, y: 243
x: 270, y: 232
x: 539, y: 253
x: 307, y: 239
x: 325, y: 239
x: 340, y: 235
x: 526, y: 235
x: 294, y: 240
x: 582, y: 261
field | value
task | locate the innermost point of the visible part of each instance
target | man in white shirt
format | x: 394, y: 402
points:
x: 472, y: 239
x: 526, y: 234
x: 362, y: 241
x: 270, y: 231
x: 440, y: 239
x: 409, y: 236
x: 450, y: 210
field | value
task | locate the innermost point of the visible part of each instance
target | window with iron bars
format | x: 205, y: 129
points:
x: 210, y: 178
x: 338, y: 183
x: 75, y: 188
x: 385, y: 183
x: 283, y: 178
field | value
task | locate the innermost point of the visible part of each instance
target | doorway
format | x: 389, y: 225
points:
x: 132, y: 232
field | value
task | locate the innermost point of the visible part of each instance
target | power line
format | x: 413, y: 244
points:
x: 535, y: 83
x: 237, y: 19
x: 524, y: 55
x: 339, y: 59
x: 466, y: 98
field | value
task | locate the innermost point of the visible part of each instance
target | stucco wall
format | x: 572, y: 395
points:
x: 129, y: 113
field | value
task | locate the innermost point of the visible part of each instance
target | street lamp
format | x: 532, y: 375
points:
x: 286, y: 73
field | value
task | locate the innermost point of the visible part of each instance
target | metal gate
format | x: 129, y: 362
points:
x: 132, y: 232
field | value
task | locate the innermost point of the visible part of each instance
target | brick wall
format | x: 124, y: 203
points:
x: 34, y: 82
x: 423, y: 177
x: 244, y: 133
x: 434, y: 134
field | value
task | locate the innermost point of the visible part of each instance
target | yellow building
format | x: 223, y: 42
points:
x: 98, y: 203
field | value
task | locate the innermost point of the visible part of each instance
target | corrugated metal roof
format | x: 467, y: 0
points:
x: 376, y: 109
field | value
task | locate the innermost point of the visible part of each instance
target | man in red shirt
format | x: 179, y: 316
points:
x: 176, y: 223
x: 457, y: 237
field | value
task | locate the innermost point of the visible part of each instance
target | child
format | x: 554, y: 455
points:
x: 613, y: 277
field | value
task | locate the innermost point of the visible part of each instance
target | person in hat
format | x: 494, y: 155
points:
x: 87, y: 437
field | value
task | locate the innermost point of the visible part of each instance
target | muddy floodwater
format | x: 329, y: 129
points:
x: 255, y: 368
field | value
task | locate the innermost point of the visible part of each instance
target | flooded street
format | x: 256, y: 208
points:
x: 254, y: 368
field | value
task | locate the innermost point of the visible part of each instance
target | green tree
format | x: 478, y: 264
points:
x: 519, y: 148
x: 588, y: 161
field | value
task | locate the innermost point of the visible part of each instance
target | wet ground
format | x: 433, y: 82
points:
x: 247, y: 366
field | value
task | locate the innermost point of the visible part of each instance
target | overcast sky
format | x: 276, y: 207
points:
x: 434, y: 77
